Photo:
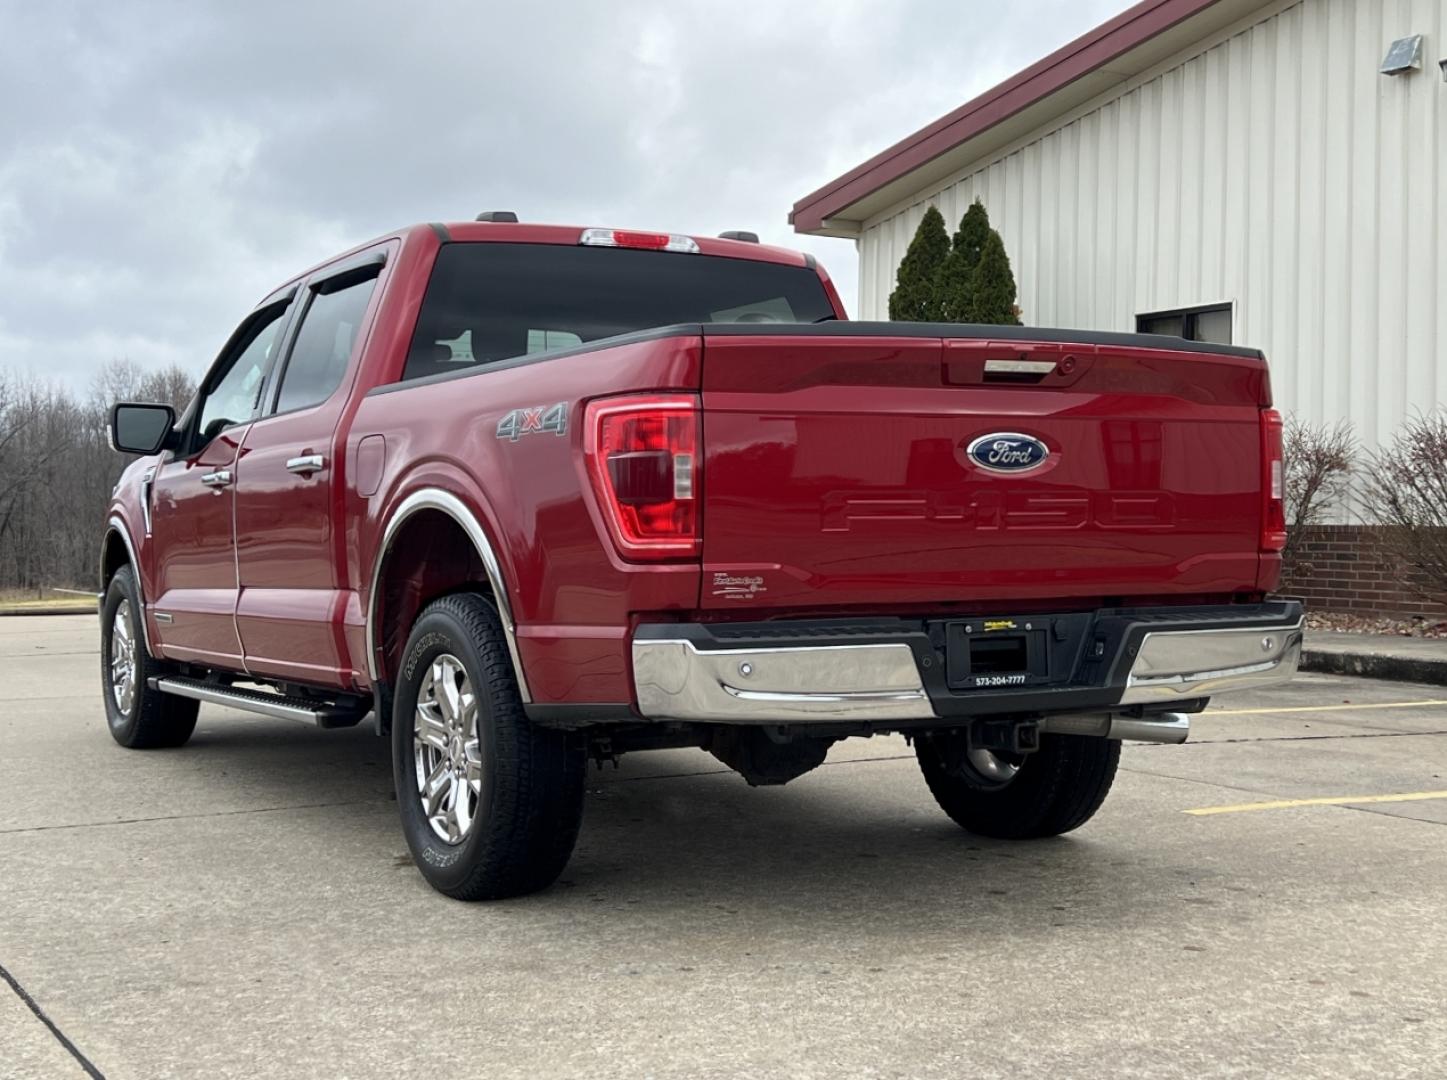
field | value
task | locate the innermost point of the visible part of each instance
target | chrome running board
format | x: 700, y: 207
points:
x: 277, y: 706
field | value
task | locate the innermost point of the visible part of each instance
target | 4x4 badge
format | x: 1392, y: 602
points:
x: 534, y: 421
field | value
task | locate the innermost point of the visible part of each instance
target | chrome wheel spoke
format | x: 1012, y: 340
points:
x: 435, y: 788
x: 429, y: 729
x: 461, y: 805
x: 473, y: 769
x: 449, y: 696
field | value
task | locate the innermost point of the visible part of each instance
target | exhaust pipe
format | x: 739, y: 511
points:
x: 1158, y: 728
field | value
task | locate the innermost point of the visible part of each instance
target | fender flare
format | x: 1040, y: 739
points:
x: 116, y: 525
x: 432, y: 498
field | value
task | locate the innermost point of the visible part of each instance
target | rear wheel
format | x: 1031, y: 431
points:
x: 138, y: 717
x: 490, y: 802
x: 1014, y: 797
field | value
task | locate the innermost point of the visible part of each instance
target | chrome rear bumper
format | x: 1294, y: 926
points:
x: 1177, y: 665
x: 676, y: 679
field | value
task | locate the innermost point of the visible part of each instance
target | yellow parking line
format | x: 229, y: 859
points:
x: 1340, y: 800
x: 1325, y: 708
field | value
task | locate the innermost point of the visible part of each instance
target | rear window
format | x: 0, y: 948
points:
x: 489, y: 301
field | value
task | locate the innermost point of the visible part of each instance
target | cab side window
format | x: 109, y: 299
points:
x: 324, y: 344
x: 234, y: 390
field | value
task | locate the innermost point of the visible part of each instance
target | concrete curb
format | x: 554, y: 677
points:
x: 1376, y: 666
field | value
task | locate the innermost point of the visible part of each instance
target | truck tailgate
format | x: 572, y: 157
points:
x: 848, y: 470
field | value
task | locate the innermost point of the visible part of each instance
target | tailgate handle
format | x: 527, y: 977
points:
x: 999, y: 363
x: 1017, y: 371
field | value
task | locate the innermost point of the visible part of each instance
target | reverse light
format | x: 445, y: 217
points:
x: 647, y: 241
x: 642, y: 455
x: 1273, y: 483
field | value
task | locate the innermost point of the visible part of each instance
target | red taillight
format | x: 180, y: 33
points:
x: 1273, y: 483
x: 642, y: 455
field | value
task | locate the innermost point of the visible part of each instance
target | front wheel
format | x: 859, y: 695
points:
x: 490, y: 802
x: 139, y: 717
x: 1057, y: 788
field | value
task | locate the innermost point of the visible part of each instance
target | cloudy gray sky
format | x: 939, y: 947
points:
x: 162, y: 166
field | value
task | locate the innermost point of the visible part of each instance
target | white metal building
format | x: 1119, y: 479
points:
x: 1212, y: 167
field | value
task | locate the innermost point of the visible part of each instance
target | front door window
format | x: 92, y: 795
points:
x: 236, y: 390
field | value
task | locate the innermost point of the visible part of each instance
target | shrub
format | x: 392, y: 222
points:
x: 964, y: 280
x: 916, y: 286
x: 1405, y: 491
x: 993, y: 286
x: 957, y: 276
x: 1318, y: 461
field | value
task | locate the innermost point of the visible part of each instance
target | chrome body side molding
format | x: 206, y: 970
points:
x: 455, y: 508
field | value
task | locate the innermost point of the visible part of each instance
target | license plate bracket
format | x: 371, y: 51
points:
x: 997, y: 652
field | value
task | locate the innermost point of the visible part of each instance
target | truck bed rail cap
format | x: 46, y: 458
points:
x: 845, y: 328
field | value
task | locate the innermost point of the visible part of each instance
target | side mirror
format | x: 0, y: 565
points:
x: 138, y: 428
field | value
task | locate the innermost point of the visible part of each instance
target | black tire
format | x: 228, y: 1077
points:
x: 1058, y: 788
x: 153, y: 720
x: 530, y: 802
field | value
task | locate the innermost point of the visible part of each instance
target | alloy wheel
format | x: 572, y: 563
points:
x: 123, y: 659
x: 447, y: 753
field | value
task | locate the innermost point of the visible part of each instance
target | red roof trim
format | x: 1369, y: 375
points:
x: 1085, y: 54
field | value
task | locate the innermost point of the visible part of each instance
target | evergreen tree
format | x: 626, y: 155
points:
x: 916, y: 286
x: 956, y: 288
x: 993, y: 286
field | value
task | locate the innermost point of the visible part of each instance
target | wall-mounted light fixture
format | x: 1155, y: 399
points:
x: 1405, y: 55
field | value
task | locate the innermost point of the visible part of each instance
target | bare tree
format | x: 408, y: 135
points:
x: 1405, y: 491
x: 1318, y: 461
x: 57, y: 470
x: 170, y: 386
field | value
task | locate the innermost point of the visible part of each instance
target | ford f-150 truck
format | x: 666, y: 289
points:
x: 533, y: 495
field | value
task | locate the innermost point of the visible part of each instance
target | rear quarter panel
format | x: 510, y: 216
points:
x: 571, y: 596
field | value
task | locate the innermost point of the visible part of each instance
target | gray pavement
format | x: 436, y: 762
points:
x: 245, y: 907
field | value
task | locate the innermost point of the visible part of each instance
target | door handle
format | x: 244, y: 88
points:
x: 307, y: 463
x: 218, y: 479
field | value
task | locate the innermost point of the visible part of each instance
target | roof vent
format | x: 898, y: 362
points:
x: 497, y: 216
x: 740, y: 234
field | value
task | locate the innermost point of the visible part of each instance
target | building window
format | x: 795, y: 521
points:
x: 1211, y: 324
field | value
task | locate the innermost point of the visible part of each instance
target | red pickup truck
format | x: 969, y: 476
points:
x: 532, y: 494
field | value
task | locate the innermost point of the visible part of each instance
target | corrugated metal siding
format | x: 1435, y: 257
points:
x: 1277, y: 170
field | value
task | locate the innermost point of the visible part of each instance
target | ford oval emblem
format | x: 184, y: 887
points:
x: 1007, y: 452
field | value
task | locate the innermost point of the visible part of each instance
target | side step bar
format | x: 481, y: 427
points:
x: 322, y: 714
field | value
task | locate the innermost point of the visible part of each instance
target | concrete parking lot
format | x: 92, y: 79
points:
x: 245, y: 906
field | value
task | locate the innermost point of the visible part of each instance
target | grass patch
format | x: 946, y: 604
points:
x: 25, y: 601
